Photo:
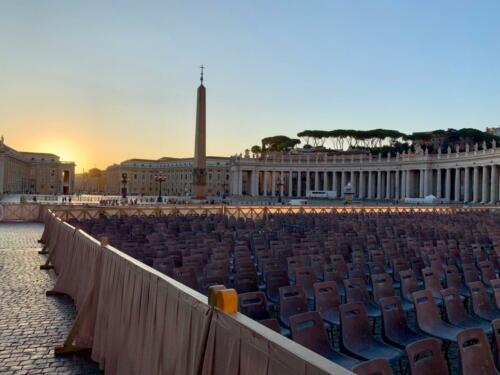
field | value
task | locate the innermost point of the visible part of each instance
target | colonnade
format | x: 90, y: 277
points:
x: 475, y: 184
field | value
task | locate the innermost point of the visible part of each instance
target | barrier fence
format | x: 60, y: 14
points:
x: 34, y: 212
x: 137, y: 320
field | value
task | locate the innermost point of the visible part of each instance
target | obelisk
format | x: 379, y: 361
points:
x: 200, y: 150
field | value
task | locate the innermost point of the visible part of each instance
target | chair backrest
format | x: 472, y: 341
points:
x: 293, y: 263
x: 470, y: 272
x: 453, y: 278
x: 305, y: 277
x: 495, y: 285
x: 245, y: 282
x: 480, y: 300
x: 354, y: 324
x: 339, y: 264
x: 455, y: 309
x: 308, y: 330
x: 377, y: 366
x: 425, y: 308
x: 474, y: 352
x: 425, y: 357
x: 271, y: 324
x: 382, y: 286
x: 393, y: 317
x: 292, y: 301
x: 254, y: 305
x: 326, y: 296
x: 487, y: 271
x: 355, y: 290
x: 495, y: 327
x: 409, y: 284
x: 431, y: 280
x: 274, y: 281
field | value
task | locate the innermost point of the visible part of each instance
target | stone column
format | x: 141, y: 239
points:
x: 475, y: 185
x: 353, y: 183
x: 308, y: 182
x: 343, y: 183
x: 370, y: 184
x: 467, y: 185
x: 486, y: 186
x: 316, y: 180
x: 421, y: 183
x: 379, y: 185
x: 266, y: 183
x: 448, y: 184
x: 361, y: 185
x: 282, y: 183
x: 290, y: 183
x: 426, y: 182
x: 253, y: 191
x: 494, y: 184
x: 388, y: 185
x: 408, y: 186
x: 273, y: 183
x: 396, y: 187
x: 439, y: 189
x: 299, y: 183
x: 334, y: 183
x: 240, y: 182
x: 457, y: 185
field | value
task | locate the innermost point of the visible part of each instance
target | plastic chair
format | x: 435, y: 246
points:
x: 470, y: 273
x: 426, y: 358
x: 432, y: 283
x: 186, y: 276
x: 454, y: 280
x: 356, y: 339
x: 327, y: 301
x: 271, y: 324
x: 481, y: 303
x: 429, y: 320
x: 373, y: 367
x: 309, y: 331
x: 487, y: 272
x: 495, y: 285
x: 356, y: 291
x: 495, y: 326
x: 305, y: 277
x: 456, y: 313
x: 292, y: 301
x: 274, y: 281
x: 245, y: 282
x: 409, y: 284
x: 254, y: 305
x: 395, y: 330
x: 474, y: 353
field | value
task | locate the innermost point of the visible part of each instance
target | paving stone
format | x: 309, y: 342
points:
x: 32, y: 324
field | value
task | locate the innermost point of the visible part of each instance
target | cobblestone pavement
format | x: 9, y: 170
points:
x: 31, y: 324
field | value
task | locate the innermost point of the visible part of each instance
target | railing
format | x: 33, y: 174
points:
x: 136, y: 320
x: 33, y: 212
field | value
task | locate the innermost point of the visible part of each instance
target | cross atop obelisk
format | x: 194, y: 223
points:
x: 200, y: 155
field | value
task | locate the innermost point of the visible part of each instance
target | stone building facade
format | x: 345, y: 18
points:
x: 34, y: 172
x: 469, y: 176
x: 138, y: 176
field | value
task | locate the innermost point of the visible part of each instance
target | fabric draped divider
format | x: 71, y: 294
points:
x: 139, y: 321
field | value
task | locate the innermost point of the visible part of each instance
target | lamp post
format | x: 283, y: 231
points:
x: 160, y: 178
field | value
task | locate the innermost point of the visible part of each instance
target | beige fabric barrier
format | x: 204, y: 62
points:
x: 139, y: 321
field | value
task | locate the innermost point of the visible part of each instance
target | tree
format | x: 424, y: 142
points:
x: 256, y: 149
x: 279, y: 143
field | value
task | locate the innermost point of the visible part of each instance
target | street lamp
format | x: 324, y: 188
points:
x: 160, y: 178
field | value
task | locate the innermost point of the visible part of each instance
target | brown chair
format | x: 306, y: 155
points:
x: 454, y: 280
x: 356, y: 291
x: 487, y: 272
x: 305, y: 277
x: 271, y: 324
x: 474, y: 353
x: 356, y: 339
x: 495, y: 285
x: 470, y: 273
x: 432, y: 283
x: 254, y: 305
x: 456, y: 313
x: 308, y: 330
x: 395, y: 330
x: 382, y: 286
x: 495, y: 327
x: 274, y: 281
x: 186, y: 276
x: 429, y: 319
x: 245, y: 282
x: 481, y: 303
x: 292, y: 301
x: 409, y: 284
x: 426, y: 358
x: 373, y: 367
x: 327, y: 301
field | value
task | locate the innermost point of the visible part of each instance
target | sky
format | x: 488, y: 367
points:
x: 100, y: 81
